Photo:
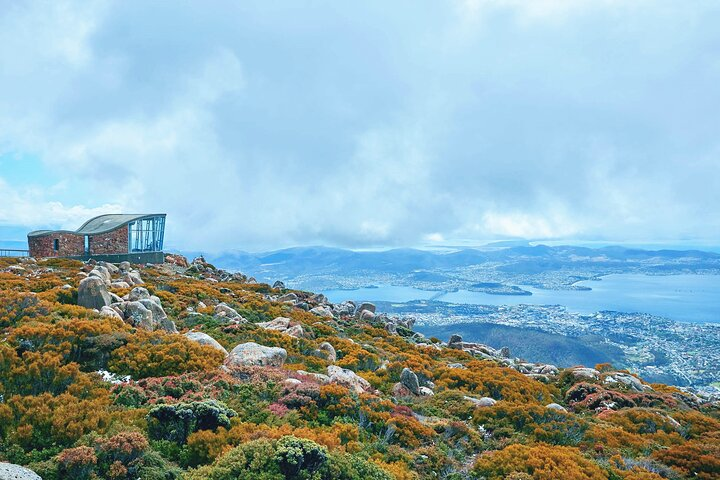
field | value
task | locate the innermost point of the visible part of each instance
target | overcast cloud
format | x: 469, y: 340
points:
x: 258, y: 125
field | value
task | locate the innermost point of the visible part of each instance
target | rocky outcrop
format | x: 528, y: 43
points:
x: 252, y: 354
x: 347, y: 378
x: 93, y: 293
x: 9, y: 471
x: 205, y: 339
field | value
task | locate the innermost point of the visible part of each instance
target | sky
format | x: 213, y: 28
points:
x: 258, y: 125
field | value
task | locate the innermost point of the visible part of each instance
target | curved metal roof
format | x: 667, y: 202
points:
x: 100, y: 224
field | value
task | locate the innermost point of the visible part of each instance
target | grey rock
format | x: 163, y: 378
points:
x: 9, y: 471
x: 223, y: 310
x: 288, y: 297
x: 92, y: 293
x: 366, y: 306
x: 296, y: 331
x: 348, y: 378
x: 205, y: 339
x: 366, y: 315
x: 426, y: 392
x: 481, y: 402
x: 556, y: 406
x: 505, y: 352
x: 110, y: 312
x: 279, y: 285
x: 124, y: 266
x: 322, y: 312
x: 137, y: 315
x: 102, y: 273
x: 584, y: 373
x: 138, y: 293
x: 279, y: 324
x: 329, y: 351
x: 252, y: 354
x: 119, y: 284
x: 410, y: 380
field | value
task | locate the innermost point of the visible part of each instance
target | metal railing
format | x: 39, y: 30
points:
x: 13, y: 252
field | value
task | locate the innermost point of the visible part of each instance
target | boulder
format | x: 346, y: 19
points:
x: 288, y: 297
x: 279, y: 285
x: 279, y: 324
x: 124, y: 266
x: 366, y: 315
x: 112, y: 268
x: 252, y: 354
x: 296, y: 331
x: 410, y: 380
x: 223, y: 310
x: 347, y: 378
x: 344, y: 308
x: 505, y: 352
x: 456, y: 342
x: 556, y: 406
x: 9, y: 471
x: 177, y: 260
x: 584, y: 373
x: 205, y: 339
x: 626, y: 379
x: 102, y: 273
x: 119, y: 284
x: 426, y: 392
x: 482, y: 401
x: 92, y: 293
x: 138, y: 293
x: 366, y: 306
x: 329, y: 351
x: 110, y: 312
x: 137, y: 315
x: 322, y: 312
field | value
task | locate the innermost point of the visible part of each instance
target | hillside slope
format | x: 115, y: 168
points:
x: 186, y: 371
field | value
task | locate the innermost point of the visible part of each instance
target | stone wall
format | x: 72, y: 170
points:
x: 110, y: 242
x: 69, y: 244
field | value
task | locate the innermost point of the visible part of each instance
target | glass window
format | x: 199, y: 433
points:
x: 146, y: 235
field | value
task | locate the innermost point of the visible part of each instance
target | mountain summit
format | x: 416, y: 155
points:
x: 183, y: 370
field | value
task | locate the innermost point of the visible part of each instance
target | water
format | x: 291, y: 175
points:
x: 686, y: 298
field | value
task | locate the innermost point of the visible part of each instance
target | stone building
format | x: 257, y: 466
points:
x: 114, y: 238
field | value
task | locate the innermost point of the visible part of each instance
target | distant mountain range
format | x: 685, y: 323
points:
x: 543, y: 266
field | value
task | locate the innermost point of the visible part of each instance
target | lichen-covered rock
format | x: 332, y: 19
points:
x: 205, y: 339
x: 410, y: 380
x: 252, y: 354
x: 138, y: 293
x: 137, y: 315
x: 9, y: 471
x: 92, y: 293
x: 348, y: 378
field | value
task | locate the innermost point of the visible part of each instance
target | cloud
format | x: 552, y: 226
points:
x: 257, y: 126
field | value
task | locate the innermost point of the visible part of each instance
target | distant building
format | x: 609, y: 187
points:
x: 114, y: 238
